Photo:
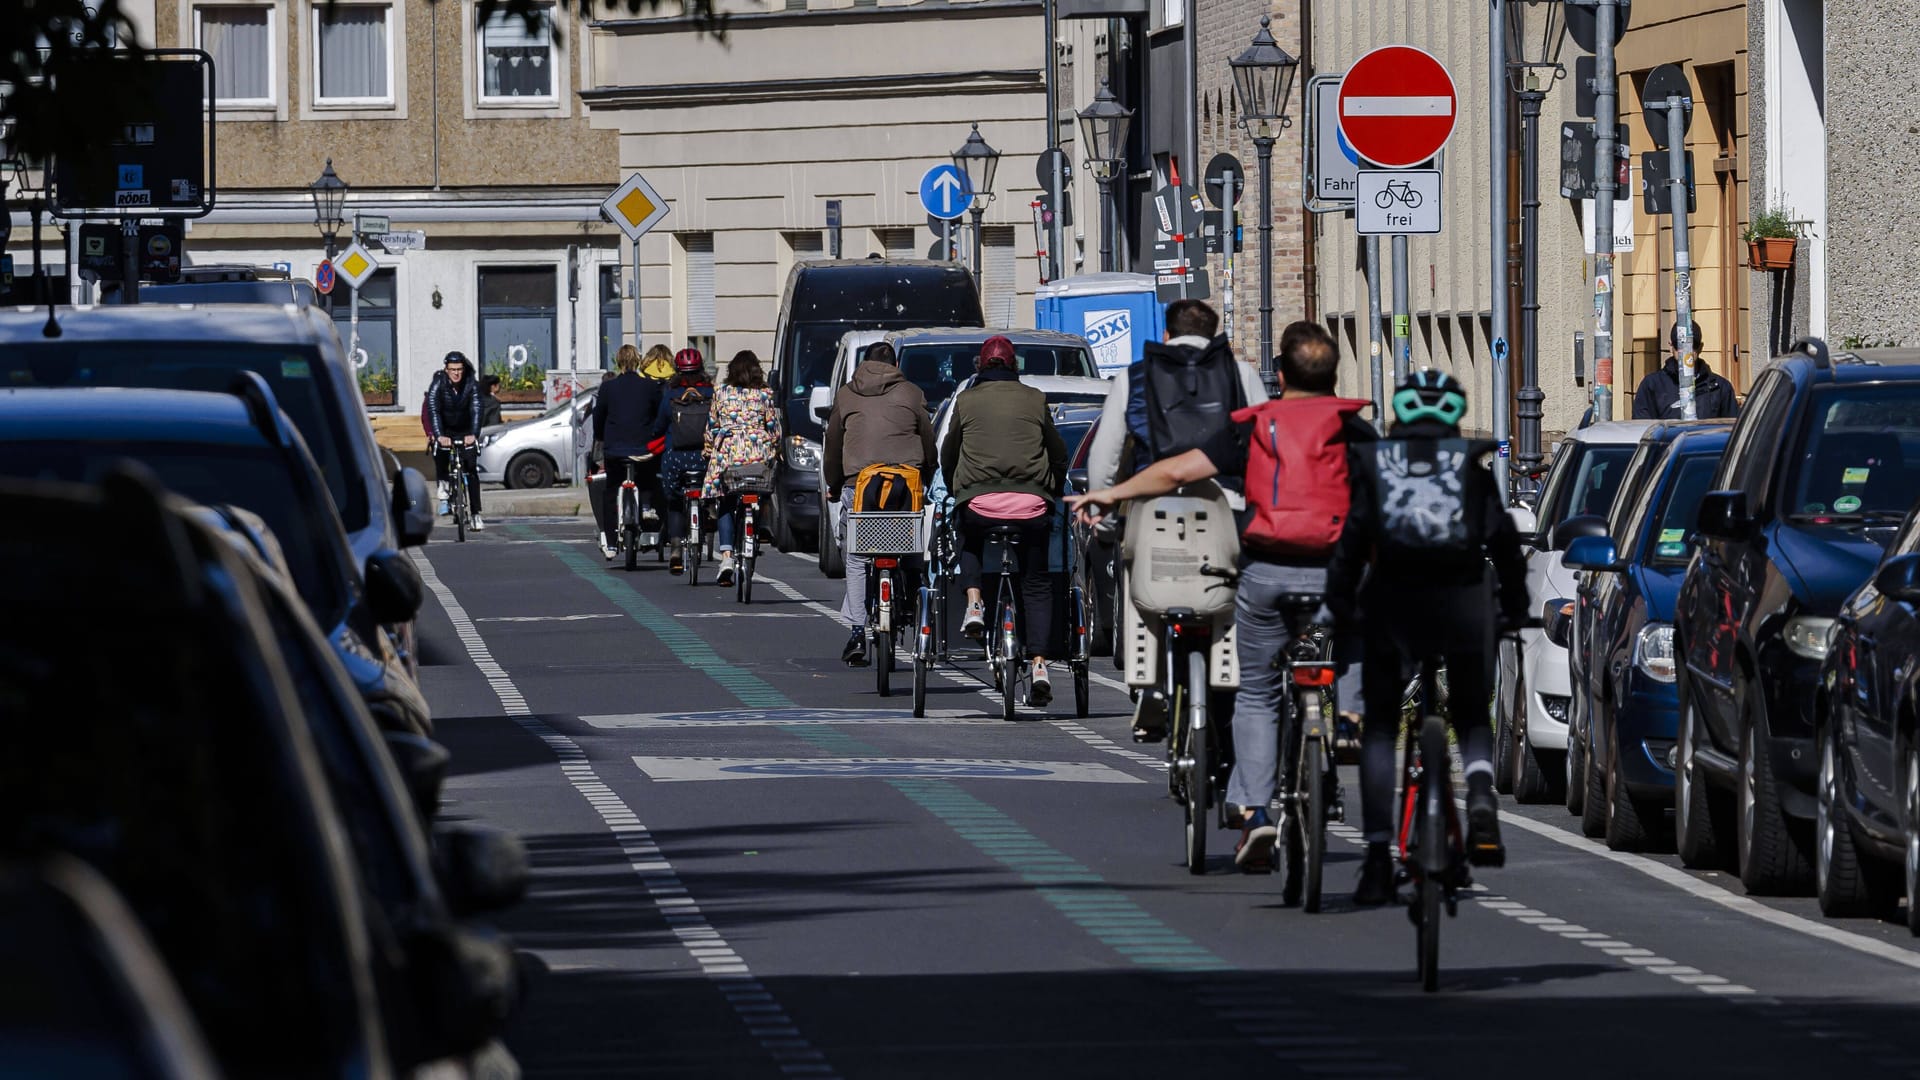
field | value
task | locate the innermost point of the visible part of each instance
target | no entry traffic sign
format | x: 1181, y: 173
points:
x: 1398, y: 106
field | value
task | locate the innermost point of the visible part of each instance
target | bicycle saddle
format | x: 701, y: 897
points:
x: 1307, y: 602
x: 1010, y: 530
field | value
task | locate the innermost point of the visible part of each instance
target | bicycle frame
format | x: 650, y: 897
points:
x: 1416, y: 775
x: 749, y: 539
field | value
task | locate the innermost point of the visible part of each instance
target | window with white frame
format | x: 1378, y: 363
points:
x: 517, y: 57
x: 353, y: 54
x: 240, y: 40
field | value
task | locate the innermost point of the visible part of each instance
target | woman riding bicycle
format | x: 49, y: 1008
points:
x: 453, y: 413
x: 623, y: 416
x: 742, y: 431
x: 684, y: 409
x: 1005, y: 463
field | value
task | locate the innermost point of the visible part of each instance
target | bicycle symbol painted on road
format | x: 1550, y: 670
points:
x: 1400, y: 191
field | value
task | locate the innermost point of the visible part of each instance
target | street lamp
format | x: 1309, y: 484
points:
x: 1103, y: 128
x: 977, y: 162
x: 1535, y: 31
x: 329, y: 198
x: 1262, y: 80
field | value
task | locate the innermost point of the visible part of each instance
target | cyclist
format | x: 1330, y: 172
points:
x: 658, y: 365
x: 623, y: 416
x: 453, y: 410
x: 1425, y: 520
x: 1005, y: 463
x: 744, y: 430
x: 879, y: 418
x: 1286, y: 557
x: 682, y: 418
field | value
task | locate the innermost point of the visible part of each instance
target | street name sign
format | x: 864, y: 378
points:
x: 1397, y: 202
x: 404, y: 240
x: 355, y: 265
x: 945, y: 193
x: 1397, y: 107
x: 369, y: 224
x: 634, y: 207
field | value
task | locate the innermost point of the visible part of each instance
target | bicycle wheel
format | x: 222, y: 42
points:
x: 1200, y: 773
x: 632, y: 540
x: 883, y: 662
x: 1313, y: 821
x: 1080, y: 688
x: 1009, y: 689
x: 745, y: 572
x: 458, y: 493
x: 1434, y: 857
x: 690, y: 558
x: 1006, y: 630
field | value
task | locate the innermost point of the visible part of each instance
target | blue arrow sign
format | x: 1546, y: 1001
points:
x: 945, y: 193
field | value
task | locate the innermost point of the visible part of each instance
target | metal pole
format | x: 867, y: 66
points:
x: 1606, y: 116
x: 979, y: 269
x: 1106, y: 216
x: 1682, y: 252
x: 1497, y: 218
x: 1056, y: 235
x: 1402, y: 320
x: 631, y: 306
x: 1190, y: 32
x: 1531, y: 398
x: 1264, y: 148
x: 130, y: 260
x: 1229, y: 188
x: 1375, y: 348
x: 1180, y: 264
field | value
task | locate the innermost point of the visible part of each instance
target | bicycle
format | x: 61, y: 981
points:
x: 930, y: 637
x: 1308, y: 794
x: 459, y: 498
x: 1430, y: 845
x: 628, y: 532
x: 1398, y: 191
x: 747, y: 489
x: 889, y: 541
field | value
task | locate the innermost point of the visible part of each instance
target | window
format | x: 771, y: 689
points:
x: 698, y: 286
x: 610, y: 305
x: 517, y: 58
x: 374, y: 363
x: 240, y: 40
x: 997, y: 283
x: 896, y: 243
x: 353, y: 50
x: 519, y: 317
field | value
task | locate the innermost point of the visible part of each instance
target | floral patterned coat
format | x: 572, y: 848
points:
x: 744, y: 429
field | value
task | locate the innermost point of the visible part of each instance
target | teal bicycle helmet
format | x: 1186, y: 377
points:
x: 1429, y: 395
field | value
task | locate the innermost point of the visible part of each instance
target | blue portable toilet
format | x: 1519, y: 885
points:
x: 1116, y: 313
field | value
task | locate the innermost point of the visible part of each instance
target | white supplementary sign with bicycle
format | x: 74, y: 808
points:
x: 1397, y: 202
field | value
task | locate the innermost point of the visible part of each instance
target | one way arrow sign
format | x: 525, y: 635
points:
x: 945, y: 193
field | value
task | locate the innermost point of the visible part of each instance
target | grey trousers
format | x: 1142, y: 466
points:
x: 1260, y: 634
x: 853, y: 607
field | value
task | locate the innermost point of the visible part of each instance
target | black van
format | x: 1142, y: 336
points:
x: 823, y: 300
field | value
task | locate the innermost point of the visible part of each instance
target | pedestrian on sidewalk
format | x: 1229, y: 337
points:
x: 1658, y: 397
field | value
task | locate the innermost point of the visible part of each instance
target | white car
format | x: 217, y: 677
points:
x: 537, y: 452
x: 1532, y: 687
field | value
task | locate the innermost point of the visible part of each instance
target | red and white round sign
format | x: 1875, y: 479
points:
x: 1397, y: 106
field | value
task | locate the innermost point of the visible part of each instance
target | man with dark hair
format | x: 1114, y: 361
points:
x: 1309, y: 360
x: 1191, y: 318
x: 489, y: 400
x: 1658, y: 397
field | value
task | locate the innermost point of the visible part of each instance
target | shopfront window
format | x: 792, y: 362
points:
x: 519, y: 317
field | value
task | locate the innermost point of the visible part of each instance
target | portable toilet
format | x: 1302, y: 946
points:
x: 1116, y: 313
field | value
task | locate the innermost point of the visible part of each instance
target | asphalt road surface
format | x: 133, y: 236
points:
x: 747, y: 863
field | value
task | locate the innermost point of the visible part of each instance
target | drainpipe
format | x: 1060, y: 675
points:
x: 1310, y: 270
x: 433, y: 35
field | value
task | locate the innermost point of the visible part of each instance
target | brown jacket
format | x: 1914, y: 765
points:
x: 879, y: 418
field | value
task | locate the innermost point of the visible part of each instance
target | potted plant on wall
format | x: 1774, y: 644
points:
x: 520, y: 384
x: 1771, y: 238
x: 377, y: 386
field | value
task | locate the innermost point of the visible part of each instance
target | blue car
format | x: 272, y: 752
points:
x: 1623, y: 671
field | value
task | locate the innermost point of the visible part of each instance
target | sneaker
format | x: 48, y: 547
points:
x: 1254, y: 854
x: 676, y: 566
x: 1483, y: 827
x: 1376, y: 878
x: 855, y: 652
x: 445, y: 510
x: 649, y: 520
x: 1040, y: 694
x: 975, y: 624
x: 478, y: 524
x: 1150, y: 717
x: 607, y: 549
x: 724, y: 576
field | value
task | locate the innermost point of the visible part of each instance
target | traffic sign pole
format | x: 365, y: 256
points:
x: 1606, y: 105
x: 1676, y: 109
x: 1376, y: 349
x: 1228, y: 181
x: 1402, y: 318
x: 1497, y: 203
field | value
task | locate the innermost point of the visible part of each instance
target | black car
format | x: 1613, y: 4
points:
x: 241, y: 450
x: 823, y: 300
x: 1867, y: 809
x: 1096, y: 558
x: 1821, y: 468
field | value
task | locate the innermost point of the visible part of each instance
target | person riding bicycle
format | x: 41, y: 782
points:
x: 658, y: 365
x: 878, y: 418
x: 1425, y: 520
x: 1286, y: 541
x: 684, y: 409
x: 742, y: 433
x: 1005, y: 463
x: 453, y: 413
x: 623, y: 416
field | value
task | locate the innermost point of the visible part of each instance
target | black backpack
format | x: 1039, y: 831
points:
x: 1427, y: 493
x: 688, y: 428
x: 1190, y: 398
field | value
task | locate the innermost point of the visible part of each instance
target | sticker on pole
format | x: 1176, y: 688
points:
x: 1398, y: 107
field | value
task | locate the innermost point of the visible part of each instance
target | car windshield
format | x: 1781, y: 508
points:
x: 1595, y: 480
x: 1859, y: 453
x: 810, y: 353
x: 253, y: 478
x: 1673, y: 539
x: 937, y: 368
x: 296, y: 375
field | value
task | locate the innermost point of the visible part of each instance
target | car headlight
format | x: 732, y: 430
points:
x: 1807, y: 635
x: 1653, y: 651
x: 483, y: 441
x: 803, y: 454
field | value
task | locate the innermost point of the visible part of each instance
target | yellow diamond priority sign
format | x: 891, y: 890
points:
x: 635, y: 207
x: 355, y: 265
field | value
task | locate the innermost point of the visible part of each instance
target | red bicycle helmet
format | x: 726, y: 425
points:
x: 689, y: 360
x: 997, y: 351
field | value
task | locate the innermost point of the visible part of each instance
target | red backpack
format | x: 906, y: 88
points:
x: 1297, y: 494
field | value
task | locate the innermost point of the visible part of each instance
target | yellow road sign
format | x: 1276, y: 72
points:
x: 355, y: 265
x: 635, y: 207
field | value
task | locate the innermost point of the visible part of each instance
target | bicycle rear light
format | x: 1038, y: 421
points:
x: 886, y: 564
x: 1316, y: 675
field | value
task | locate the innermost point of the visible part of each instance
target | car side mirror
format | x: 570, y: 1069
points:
x: 412, y: 508
x: 1077, y: 481
x: 1591, y: 553
x: 1574, y: 527
x: 481, y: 869
x: 1526, y: 523
x: 1725, y: 515
x: 472, y: 985
x: 1900, y: 579
x: 394, y: 588
x: 1556, y: 618
x: 821, y: 402
x: 423, y: 765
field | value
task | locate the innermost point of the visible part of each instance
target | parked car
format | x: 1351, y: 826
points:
x: 1822, y: 466
x: 1096, y: 559
x: 537, y: 452
x: 1867, y: 793
x: 224, y: 284
x: 236, y: 450
x: 293, y: 347
x: 823, y: 300
x: 1621, y: 657
x: 1532, y: 691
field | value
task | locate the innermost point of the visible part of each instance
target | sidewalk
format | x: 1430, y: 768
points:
x: 550, y: 502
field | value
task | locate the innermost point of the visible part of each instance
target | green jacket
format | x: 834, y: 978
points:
x: 1001, y: 438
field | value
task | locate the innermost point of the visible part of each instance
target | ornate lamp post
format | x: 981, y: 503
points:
x: 329, y: 198
x: 977, y: 162
x: 1535, y: 31
x: 1262, y: 80
x: 1103, y: 130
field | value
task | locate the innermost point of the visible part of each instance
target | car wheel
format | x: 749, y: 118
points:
x: 1575, y: 789
x: 530, y: 469
x: 1530, y: 781
x: 1700, y: 819
x: 781, y: 525
x: 1771, y: 862
x: 1503, y: 743
x: 1593, y: 778
x: 1838, y: 877
x: 1913, y: 837
x: 1627, y: 825
x: 833, y: 561
x: 1101, y: 633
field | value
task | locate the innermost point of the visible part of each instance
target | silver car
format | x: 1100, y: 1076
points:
x: 536, y: 453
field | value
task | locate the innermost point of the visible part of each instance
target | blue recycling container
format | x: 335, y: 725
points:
x: 1116, y: 313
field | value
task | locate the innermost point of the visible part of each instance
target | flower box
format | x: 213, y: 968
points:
x: 377, y: 397
x: 521, y: 397
x: 1771, y: 253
